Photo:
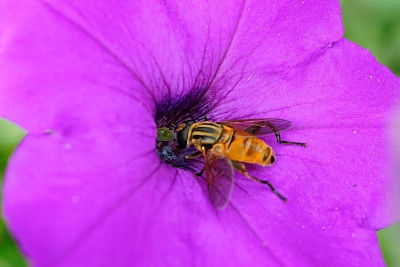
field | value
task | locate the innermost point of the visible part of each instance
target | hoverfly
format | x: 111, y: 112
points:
x: 226, y: 145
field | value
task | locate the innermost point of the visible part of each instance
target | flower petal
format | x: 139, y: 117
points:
x: 94, y: 190
x: 340, y: 103
x: 339, y: 188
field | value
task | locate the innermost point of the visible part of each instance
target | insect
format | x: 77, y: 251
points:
x: 226, y: 145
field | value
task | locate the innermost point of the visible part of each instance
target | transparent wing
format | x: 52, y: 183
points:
x: 220, y: 179
x: 259, y: 127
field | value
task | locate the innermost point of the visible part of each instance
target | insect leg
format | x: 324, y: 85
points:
x: 194, y: 155
x: 199, y: 173
x: 278, y: 138
x: 202, y: 152
x: 242, y: 169
x: 254, y: 129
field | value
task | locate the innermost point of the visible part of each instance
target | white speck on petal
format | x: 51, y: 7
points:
x: 49, y: 131
x: 67, y: 146
x: 75, y: 199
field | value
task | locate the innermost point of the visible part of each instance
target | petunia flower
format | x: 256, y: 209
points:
x: 91, y: 81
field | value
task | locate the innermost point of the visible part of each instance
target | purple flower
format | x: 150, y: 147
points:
x: 91, y: 81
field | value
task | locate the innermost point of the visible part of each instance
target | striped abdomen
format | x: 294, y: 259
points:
x: 238, y: 145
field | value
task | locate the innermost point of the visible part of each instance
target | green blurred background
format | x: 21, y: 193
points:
x: 373, y: 24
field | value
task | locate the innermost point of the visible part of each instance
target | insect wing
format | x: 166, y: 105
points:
x: 220, y: 179
x: 259, y: 127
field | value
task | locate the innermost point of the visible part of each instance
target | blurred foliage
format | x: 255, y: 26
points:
x: 389, y: 241
x: 375, y: 25
x: 10, y: 137
x: 372, y: 24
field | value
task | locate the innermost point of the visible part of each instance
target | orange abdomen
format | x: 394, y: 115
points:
x: 241, y: 146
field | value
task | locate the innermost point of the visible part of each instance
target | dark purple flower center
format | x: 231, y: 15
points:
x: 170, y: 113
x: 173, y: 110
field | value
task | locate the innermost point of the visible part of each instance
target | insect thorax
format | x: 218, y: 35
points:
x: 206, y: 133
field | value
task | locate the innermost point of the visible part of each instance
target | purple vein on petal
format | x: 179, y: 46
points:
x: 229, y: 44
x: 167, y: 192
x: 218, y: 214
x: 101, y: 44
x: 86, y: 233
x: 197, y: 96
x: 246, y: 222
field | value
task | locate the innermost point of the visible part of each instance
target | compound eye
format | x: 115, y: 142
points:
x: 182, y: 137
x: 190, y: 122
